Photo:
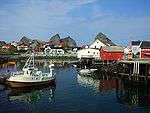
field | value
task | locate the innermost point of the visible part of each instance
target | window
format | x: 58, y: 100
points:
x: 95, y: 46
x: 93, y: 52
x: 88, y: 51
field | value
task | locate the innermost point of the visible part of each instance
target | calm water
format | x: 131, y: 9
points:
x: 74, y: 93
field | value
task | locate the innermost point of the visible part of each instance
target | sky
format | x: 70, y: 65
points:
x: 121, y: 20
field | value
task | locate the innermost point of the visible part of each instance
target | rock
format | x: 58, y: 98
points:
x: 25, y: 40
x: 55, y: 38
x: 68, y: 42
x: 29, y: 42
x: 103, y: 38
x: 34, y: 43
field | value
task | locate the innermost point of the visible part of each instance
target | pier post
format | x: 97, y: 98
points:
x: 146, y: 72
x: 130, y: 71
x: 136, y: 70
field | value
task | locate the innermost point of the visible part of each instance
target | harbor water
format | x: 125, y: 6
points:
x: 75, y: 93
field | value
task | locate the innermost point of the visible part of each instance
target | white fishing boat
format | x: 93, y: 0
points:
x: 31, y: 76
x: 87, y: 71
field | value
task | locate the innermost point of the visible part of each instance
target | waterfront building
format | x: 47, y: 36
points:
x: 13, y: 43
x: 97, y: 44
x: 101, y: 40
x: 145, y: 50
x: 22, y: 47
x: 54, y: 51
x: 6, y: 46
x: 111, y: 53
x: 141, y: 49
x: 88, y: 53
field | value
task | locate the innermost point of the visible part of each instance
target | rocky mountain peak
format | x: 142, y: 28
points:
x: 55, y: 38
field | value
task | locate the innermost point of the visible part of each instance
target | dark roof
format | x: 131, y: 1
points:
x: 145, y: 45
x: 136, y: 43
x: 104, y: 39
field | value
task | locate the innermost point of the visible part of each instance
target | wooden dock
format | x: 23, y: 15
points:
x: 135, y: 69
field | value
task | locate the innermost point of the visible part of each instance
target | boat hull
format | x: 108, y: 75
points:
x: 16, y: 84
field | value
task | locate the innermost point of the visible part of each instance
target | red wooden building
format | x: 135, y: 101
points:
x: 111, y: 53
x: 145, y: 50
x: 145, y: 54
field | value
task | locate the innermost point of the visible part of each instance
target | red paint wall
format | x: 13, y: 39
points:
x: 109, y: 84
x: 145, y: 54
x: 104, y: 55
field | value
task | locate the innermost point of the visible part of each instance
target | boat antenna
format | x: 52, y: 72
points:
x: 33, y: 59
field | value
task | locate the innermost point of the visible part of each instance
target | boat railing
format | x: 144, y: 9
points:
x: 48, y: 74
x: 17, y: 73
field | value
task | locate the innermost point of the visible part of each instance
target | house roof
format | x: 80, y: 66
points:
x: 145, y: 45
x: 113, y: 48
x: 136, y: 43
x: 104, y: 39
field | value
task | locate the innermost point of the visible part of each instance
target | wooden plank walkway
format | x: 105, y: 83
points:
x: 133, y: 61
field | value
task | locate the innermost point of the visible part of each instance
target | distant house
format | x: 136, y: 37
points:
x: 97, y: 44
x: 13, y: 43
x: 54, y: 51
x: 111, y: 53
x: 6, y: 46
x: 141, y: 48
x: 88, y: 53
x: 39, y: 48
x: 22, y: 47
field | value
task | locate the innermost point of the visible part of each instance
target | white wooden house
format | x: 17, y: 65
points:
x: 54, y: 51
x: 88, y: 53
x: 97, y: 44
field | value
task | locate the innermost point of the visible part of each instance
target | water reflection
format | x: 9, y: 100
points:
x: 87, y: 81
x: 137, y: 94
x: 127, y: 92
x: 98, y: 84
x: 32, y: 95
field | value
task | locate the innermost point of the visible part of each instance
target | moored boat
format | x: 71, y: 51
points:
x: 31, y: 76
x: 87, y: 71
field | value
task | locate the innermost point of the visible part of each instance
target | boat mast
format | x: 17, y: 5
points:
x: 33, y: 59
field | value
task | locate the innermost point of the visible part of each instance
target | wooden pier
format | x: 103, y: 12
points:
x: 135, y: 69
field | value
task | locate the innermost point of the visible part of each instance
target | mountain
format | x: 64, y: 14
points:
x: 103, y: 38
x: 54, y: 41
x: 68, y: 42
x: 29, y: 42
x: 25, y: 40
x: 55, y: 38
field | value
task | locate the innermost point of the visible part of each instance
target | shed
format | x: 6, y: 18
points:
x: 111, y: 53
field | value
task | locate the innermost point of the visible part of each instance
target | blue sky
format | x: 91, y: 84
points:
x: 121, y: 20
